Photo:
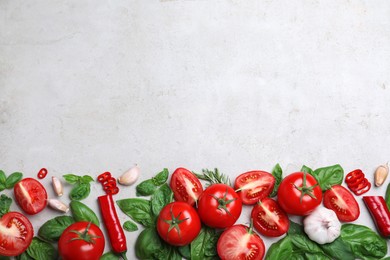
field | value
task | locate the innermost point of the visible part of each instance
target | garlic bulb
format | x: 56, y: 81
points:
x: 57, y: 186
x: 130, y: 176
x: 322, y: 225
x: 58, y: 205
x: 381, y: 174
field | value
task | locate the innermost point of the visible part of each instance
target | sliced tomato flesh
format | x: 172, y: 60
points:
x: 342, y: 202
x: 254, y: 185
x: 186, y: 186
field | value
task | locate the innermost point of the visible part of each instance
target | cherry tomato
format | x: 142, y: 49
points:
x: 269, y: 219
x: 178, y: 223
x: 254, y: 185
x: 219, y: 206
x: 16, y: 234
x: 299, y: 194
x: 30, y: 195
x: 240, y: 242
x: 82, y: 241
x: 341, y: 201
x: 186, y: 186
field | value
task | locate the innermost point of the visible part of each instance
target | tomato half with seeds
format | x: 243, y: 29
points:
x: 219, y: 206
x: 178, y: 223
x: 186, y: 186
x: 342, y: 202
x: 30, y: 195
x: 16, y: 234
x: 269, y: 219
x: 254, y: 185
x: 240, y: 242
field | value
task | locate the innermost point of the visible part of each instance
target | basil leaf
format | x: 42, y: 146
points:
x: 52, y: 229
x: 110, y: 256
x: 130, y: 226
x: 161, y: 198
x: 13, y: 179
x: 387, y: 196
x: 167, y: 252
x: 307, y: 170
x: 2, y: 177
x: 145, y: 188
x: 338, y: 250
x: 161, y: 177
x: 71, y: 178
x: 24, y: 256
x: 80, y: 191
x: 86, y: 179
x: 147, y: 244
x: 4, y: 257
x: 5, y: 204
x: 82, y: 212
x: 185, y: 251
x: 277, y: 172
x: 205, y: 244
x: 41, y: 250
x: 137, y: 209
x: 280, y: 250
x: 2, y: 186
x: 329, y: 176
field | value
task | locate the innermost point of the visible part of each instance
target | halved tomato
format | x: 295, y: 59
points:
x: 30, y: 195
x: 186, y: 186
x: 269, y: 219
x: 341, y: 201
x: 240, y: 242
x: 16, y: 234
x: 254, y: 185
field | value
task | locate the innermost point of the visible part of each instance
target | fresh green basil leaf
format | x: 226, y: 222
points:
x: 4, y: 257
x: 277, y: 172
x: 338, y: 250
x: 80, y: 191
x: 41, y: 250
x: 185, y: 251
x: 71, y: 178
x: 130, y: 226
x: 2, y: 177
x: 5, y: 204
x: 24, y: 256
x: 280, y: 250
x: 161, y: 177
x: 2, y: 186
x: 161, y: 198
x: 147, y: 244
x: 145, y: 188
x: 205, y: 244
x: 167, y: 252
x: 110, y: 256
x: 52, y: 229
x: 387, y: 196
x: 329, y: 176
x: 307, y: 170
x: 138, y: 210
x: 82, y: 212
x: 13, y: 179
x: 86, y: 179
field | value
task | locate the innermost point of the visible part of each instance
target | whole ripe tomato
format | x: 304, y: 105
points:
x: 341, y: 201
x: 16, y: 234
x: 178, y: 223
x: 30, y: 195
x: 219, y: 206
x: 82, y: 241
x: 186, y: 186
x: 240, y: 242
x: 269, y: 219
x: 254, y: 185
x: 299, y: 194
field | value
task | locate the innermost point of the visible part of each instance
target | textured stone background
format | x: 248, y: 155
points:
x: 91, y: 86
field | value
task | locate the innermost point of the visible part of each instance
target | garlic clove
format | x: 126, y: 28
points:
x: 57, y: 186
x: 380, y: 174
x: 58, y: 205
x: 130, y: 176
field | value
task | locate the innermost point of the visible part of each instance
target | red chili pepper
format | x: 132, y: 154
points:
x: 113, y: 225
x: 379, y: 212
x: 109, y: 183
x: 357, y: 182
x: 104, y: 176
x: 42, y: 173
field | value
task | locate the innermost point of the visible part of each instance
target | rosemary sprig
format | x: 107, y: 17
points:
x: 213, y: 177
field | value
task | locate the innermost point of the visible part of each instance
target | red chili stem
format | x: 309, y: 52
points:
x: 379, y: 213
x: 113, y: 225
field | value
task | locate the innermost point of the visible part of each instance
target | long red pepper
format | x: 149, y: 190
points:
x: 379, y: 212
x: 113, y: 225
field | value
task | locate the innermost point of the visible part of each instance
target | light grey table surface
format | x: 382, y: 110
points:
x: 94, y: 86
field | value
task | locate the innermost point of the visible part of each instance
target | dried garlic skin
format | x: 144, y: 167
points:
x: 130, y: 176
x: 380, y: 174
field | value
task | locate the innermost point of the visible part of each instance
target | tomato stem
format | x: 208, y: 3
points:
x: 223, y: 202
x: 174, y: 222
x: 84, y: 235
x: 305, y: 190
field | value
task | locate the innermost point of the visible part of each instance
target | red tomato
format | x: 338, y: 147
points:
x: 16, y: 234
x: 178, y: 223
x: 299, y: 194
x: 30, y: 195
x: 186, y: 186
x: 269, y: 219
x: 240, y: 242
x: 82, y: 241
x: 341, y: 201
x: 254, y: 185
x: 219, y: 206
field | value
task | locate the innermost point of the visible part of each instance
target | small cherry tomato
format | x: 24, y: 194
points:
x: 178, y: 223
x: 30, y: 195
x: 186, y: 186
x: 342, y: 202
